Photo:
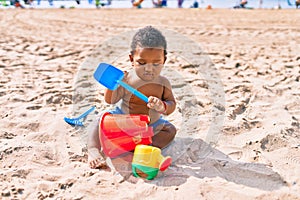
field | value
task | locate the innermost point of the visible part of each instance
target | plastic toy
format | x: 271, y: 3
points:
x: 78, y: 121
x: 111, y: 77
x: 147, y: 161
x: 120, y: 133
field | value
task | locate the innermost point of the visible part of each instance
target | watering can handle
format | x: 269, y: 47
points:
x: 133, y: 91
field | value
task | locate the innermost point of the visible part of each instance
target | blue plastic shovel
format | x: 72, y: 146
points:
x: 78, y: 121
x: 111, y: 77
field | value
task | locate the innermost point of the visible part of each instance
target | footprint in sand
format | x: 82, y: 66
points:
x: 293, y: 159
x: 10, y: 150
x: 12, y: 192
x: 272, y: 142
x: 242, y: 126
x: 34, y: 127
x: 34, y: 107
x: 293, y: 108
x: 64, y: 186
x: 7, y: 135
x: 57, y: 190
x: 291, y: 156
x: 77, y: 158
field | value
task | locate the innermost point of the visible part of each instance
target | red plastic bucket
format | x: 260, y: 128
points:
x: 120, y: 133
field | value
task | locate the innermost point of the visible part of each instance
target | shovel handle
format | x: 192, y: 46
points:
x: 133, y: 91
x: 86, y: 112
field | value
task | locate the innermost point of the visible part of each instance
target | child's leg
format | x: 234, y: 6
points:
x: 165, y: 134
x: 95, y: 158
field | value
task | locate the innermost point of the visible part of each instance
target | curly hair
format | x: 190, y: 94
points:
x: 149, y: 37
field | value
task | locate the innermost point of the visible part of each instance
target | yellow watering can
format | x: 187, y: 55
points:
x: 147, y: 161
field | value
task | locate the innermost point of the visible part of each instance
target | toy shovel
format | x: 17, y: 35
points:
x: 78, y: 120
x: 111, y: 77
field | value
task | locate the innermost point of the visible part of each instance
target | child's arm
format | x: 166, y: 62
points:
x: 167, y: 104
x: 168, y: 97
x: 113, y: 96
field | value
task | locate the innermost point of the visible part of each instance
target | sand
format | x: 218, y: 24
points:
x: 235, y: 75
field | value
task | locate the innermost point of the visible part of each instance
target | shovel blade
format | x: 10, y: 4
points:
x: 73, y: 122
x: 108, y: 75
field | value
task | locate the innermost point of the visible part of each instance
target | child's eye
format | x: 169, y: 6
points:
x: 141, y: 63
x: 156, y: 64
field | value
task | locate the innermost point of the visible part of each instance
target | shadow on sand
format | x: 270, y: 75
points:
x: 194, y: 157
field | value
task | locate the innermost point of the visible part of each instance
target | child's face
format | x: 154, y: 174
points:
x: 148, y: 62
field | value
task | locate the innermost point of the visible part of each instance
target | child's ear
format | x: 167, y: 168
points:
x: 131, y: 57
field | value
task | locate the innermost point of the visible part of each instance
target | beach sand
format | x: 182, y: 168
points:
x: 235, y: 75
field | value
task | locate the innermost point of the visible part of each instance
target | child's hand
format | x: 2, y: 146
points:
x: 156, y: 104
x: 125, y: 78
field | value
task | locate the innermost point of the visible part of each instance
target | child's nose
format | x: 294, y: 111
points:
x: 149, y: 68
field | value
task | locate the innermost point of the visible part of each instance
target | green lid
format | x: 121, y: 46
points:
x: 149, y: 171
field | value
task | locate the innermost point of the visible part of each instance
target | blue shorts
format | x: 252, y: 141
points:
x: 155, y: 125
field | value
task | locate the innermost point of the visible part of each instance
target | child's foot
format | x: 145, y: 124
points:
x: 96, y: 160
